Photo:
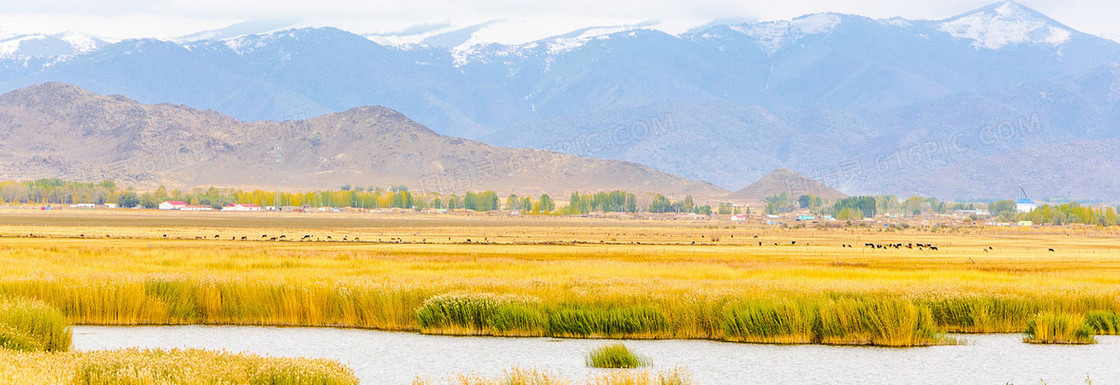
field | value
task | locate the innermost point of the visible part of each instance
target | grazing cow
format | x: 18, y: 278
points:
x: 868, y: 245
x: 1051, y: 250
x: 244, y: 238
x: 216, y: 236
x: 264, y: 236
x: 283, y: 236
x: 760, y: 243
x: 793, y: 242
x: 934, y: 248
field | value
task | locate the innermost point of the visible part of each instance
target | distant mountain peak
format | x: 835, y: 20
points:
x: 1006, y: 23
x: 251, y: 27
x: 775, y: 34
x: 784, y: 180
x: 56, y: 45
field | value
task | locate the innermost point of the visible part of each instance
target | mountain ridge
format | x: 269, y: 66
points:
x: 60, y: 130
x: 845, y: 89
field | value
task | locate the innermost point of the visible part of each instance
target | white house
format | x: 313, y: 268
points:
x: 739, y: 218
x: 241, y: 207
x: 1025, y: 205
x: 196, y: 208
x: 172, y: 205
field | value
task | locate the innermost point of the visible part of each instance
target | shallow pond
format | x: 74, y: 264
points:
x: 396, y: 358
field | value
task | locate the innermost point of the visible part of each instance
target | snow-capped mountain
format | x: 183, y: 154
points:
x: 48, y: 46
x: 999, y: 25
x: 817, y: 94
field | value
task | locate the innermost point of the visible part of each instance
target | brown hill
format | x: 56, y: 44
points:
x: 60, y: 131
x: 787, y: 181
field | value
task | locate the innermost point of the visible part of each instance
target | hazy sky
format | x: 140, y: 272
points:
x: 116, y: 19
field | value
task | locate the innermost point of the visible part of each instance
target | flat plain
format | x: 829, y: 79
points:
x: 557, y: 276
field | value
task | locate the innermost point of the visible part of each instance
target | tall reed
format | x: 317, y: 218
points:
x: 770, y: 321
x: 881, y: 322
x: 1103, y: 322
x: 474, y: 314
x: 615, y: 356
x: 1058, y: 328
x: 30, y: 325
x: 595, y: 321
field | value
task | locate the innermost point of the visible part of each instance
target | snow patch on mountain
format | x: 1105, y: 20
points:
x: 1006, y: 24
x: 10, y: 47
x: 247, y: 44
x: 564, y: 44
x: 776, y: 34
x: 64, y: 44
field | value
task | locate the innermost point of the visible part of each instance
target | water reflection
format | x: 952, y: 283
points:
x: 396, y: 358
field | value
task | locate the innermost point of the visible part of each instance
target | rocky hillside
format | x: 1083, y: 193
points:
x: 787, y: 181
x: 62, y: 131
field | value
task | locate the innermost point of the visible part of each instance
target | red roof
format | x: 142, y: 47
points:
x: 177, y: 203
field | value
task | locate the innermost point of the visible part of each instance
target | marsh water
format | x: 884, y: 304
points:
x: 397, y: 358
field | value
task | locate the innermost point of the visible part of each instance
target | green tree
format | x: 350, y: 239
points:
x: 546, y: 205
x: 128, y: 200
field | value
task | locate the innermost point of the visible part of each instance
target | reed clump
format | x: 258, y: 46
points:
x: 769, y: 322
x: 476, y: 314
x: 30, y: 325
x: 1103, y: 322
x: 597, y: 321
x: 984, y: 314
x: 879, y: 322
x: 615, y: 356
x: 1058, y: 328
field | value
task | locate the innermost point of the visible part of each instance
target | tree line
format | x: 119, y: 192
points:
x: 1062, y: 214
x: 864, y: 206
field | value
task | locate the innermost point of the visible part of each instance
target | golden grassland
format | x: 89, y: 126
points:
x: 568, y: 277
x: 35, y: 338
x: 179, y: 366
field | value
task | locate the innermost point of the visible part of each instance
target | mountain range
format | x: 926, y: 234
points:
x: 57, y: 130
x: 968, y: 107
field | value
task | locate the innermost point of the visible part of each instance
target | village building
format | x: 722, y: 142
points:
x: 241, y: 207
x: 172, y: 205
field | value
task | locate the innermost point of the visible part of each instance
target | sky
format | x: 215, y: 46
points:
x: 520, y: 20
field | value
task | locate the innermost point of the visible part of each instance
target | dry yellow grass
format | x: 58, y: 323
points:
x: 151, y: 367
x: 117, y: 268
x: 518, y: 376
